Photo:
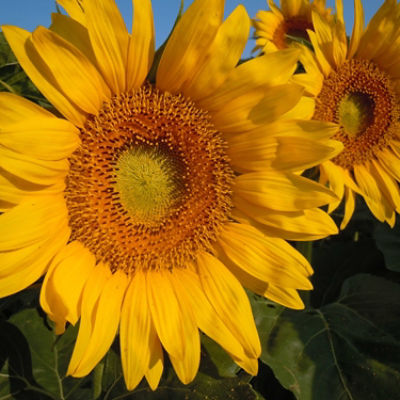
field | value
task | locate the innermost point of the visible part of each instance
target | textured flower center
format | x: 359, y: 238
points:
x: 362, y: 100
x: 150, y: 184
x: 293, y: 27
x: 356, y: 113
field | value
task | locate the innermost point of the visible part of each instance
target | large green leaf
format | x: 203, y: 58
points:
x: 388, y: 241
x: 347, y: 350
x: 34, y: 361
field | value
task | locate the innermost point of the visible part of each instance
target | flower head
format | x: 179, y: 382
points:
x: 276, y: 29
x: 356, y: 85
x: 151, y: 204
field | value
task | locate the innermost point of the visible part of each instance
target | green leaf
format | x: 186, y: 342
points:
x: 347, y: 350
x: 334, y: 262
x: 203, y: 387
x: 217, y: 358
x: 388, y: 242
x: 34, y: 360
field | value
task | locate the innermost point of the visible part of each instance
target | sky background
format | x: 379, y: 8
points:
x: 28, y: 14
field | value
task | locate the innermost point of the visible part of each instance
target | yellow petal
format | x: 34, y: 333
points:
x: 230, y: 301
x: 105, y: 317
x: 282, y: 191
x: 304, y: 109
x: 31, y: 169
x: 257, y: 154
x: 335, y: 179
x: 372, y: 193
x: 73, y: 32
x: 270, y: 70
x: 323, y: 62
x: 206, y: 317
x: 68, y: 64
x: 173, y: 322
x: 222, y: 56
x: 13, y: 190
x: 41, y: 137
x: 31, y: 221
x: 285, y: 296
x: 387, y: 184
x: 256, y: 108
x: 110, y: 40
x: 188, y: 44
x: 74, y: 9
x: 14, y: 108
x: 21, y: 44
x: 187, y: 367
x: 94, y: 286
x: 313, y: 78
x: 311, y: 224
x: 268, y: 259
x: 156, y: 366
x: 20, y: 268
x: 141, y: 44
x: 349, y: 207
x: 357, y: 29
x: 136, y: 335
x: 61, y: 292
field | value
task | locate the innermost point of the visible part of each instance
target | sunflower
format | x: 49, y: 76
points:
x: 357, y: 85
x: 276, y: 29
x: 151, y: 204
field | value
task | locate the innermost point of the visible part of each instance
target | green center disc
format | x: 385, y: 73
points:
x: 356, y: 113
x: 148, y: 182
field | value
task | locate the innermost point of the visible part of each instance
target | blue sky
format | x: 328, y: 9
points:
x: 28, y: 14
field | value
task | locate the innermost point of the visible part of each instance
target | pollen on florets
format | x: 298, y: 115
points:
x: 150, y: 184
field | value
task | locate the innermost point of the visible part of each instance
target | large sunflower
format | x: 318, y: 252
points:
x: 357, y: 85
x: 151, y: 204
x: 276, y: 28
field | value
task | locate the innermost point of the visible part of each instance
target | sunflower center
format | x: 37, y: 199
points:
x: 294, y: 27
x: 150, y: 185
x: 361, y: 98
x: 356, y: 113
x: 148, y: 182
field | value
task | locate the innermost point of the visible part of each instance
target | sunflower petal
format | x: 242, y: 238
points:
x: 156, y: 366
x: 222, y: 56
x: 42, y: 138
x: 270, y: 70
x: 141, y: 44
x: 230, y: 301
x: 172, y: 322
x: 256, y: 108
x: 106, y: 314
x: 22, y: 267
x: 282, y: 191
x: 110, y: 40
x: 372, y: 193
x: 62, y: 288
x: 135, y: 332
x: 93, y: 289
x: 41, y: 172
x: 21, y: 44
x: 268, y: 259
x: 310, y: 224
x: 68, y: 64
x: 357, y: 29
x: 185, y: 50
x: 31, y: 221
